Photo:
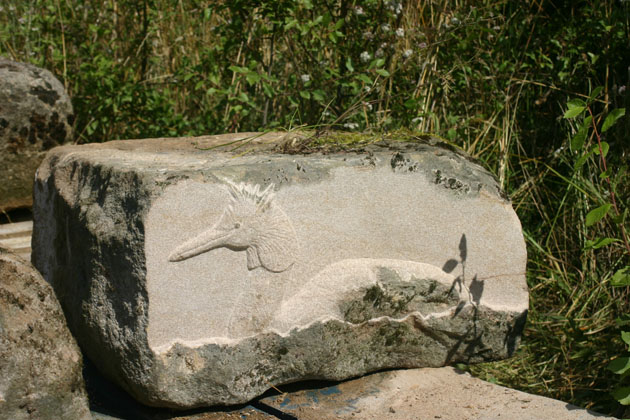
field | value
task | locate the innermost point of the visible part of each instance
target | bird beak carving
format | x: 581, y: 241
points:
x: 205, y: 241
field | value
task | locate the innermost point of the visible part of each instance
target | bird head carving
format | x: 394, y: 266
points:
x: 253, y: 222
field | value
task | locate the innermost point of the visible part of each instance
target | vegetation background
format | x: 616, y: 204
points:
x: 491, y: 77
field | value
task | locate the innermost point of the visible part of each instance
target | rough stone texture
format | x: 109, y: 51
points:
x: 40, y: 363
x: 202, y: 271
x: 35, y: 115
x: 444, y: 393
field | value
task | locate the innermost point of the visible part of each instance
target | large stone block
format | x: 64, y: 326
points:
x: 202, y: 271
x: 40, y: 363
x: 35, y: 115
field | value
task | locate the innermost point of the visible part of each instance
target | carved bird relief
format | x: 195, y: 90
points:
x: 252, y: 222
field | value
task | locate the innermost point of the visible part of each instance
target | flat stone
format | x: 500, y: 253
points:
x: 16, y: 237
x: 202, y: 271
x: 429, y: 393
x: 35, y: 115
x: 40, y: 363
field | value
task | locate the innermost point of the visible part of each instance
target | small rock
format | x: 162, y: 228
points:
x: 35, y: 115
x: 40, y: 363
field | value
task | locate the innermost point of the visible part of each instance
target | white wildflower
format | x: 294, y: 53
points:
x: 400, y: 32
x: 367, y: 105
x: 368, y: 89
x: 407, y: 53
x: 455, y: 21
x: 622, y: 89
x: 379, y: 53
x: 305, y: 78
x: 365, y: 56
x: 351, y: 126
x: 496, y: 28
x: 22, y: 20
x: 422, y: 45
x: 359, y: 11
x: 385, y: 27
x: 368, y: 35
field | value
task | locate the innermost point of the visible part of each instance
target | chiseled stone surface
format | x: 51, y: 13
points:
x: 40, y: 363
x: 35, y: 115
x: 202, y: 271
x: 429, y: 393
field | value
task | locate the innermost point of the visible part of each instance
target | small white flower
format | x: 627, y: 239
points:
x: 11, y: 8
x: 400, y: 32
x: 407, y: 53
x: 367, y: 105
x: 496, y: 28
x: 359, y: 11
x: 351, y: 126
x: 385, y: 27
x: 305, y: 78
x: 34, y: 29
x: 422, y: 45
x: 379, y: 53
x: 417, y: 120
x: 622, y: 89
x: 368, y: 35
x: 455, y: 21
x: 326, y: 113
x: 365, y: 56
x: 368, y: 89
x: 22, y: 20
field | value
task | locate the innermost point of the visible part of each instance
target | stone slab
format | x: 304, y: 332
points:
x: 16, y: 237
x: 423, y: 394
x: 203, y: 271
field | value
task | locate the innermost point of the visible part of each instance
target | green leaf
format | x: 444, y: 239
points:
x: 597, y: 214
x: 349, y: 65
x: 574, y: 112
x: 622, y: 395
x: 365, y: 79
x: 619, y: 365
x: 612, y: 118
x: 382, y: 72
x: 595, y: 93
x: 582, y: 160
x: 574, y: 108
x: 625, y: 336
x: 319, y: 95
x: 605, y: 148
x: 601, y: 242
x: 578, y: 140
x: 305, y: 95
x: 621, y: 277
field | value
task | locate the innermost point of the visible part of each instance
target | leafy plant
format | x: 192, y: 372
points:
x: 582, y: 144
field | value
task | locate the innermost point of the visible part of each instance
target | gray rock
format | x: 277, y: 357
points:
x: 40, y: 363
x: 35, y: 115
x: 202, y: 271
